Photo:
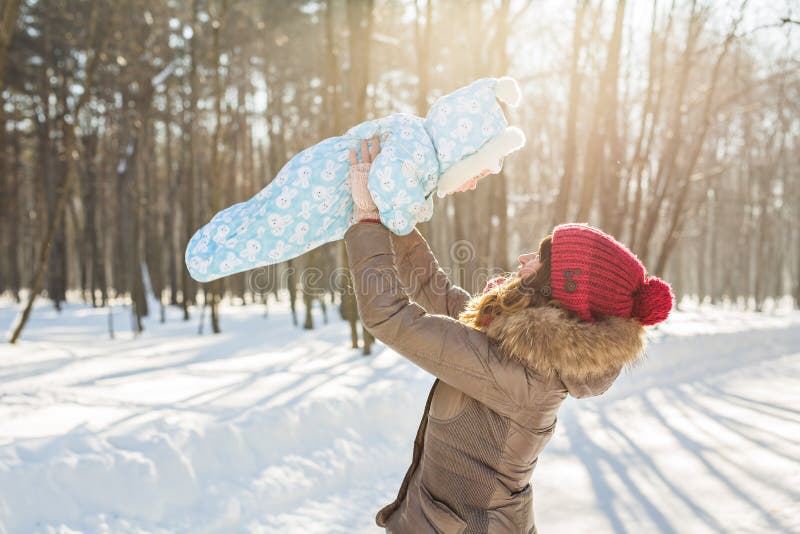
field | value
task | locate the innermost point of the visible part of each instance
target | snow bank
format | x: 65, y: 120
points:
x: 268, y: 428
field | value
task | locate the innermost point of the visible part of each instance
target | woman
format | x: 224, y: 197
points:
x: 566, y: 322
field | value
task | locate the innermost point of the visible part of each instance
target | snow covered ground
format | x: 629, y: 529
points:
x: 270, y: 428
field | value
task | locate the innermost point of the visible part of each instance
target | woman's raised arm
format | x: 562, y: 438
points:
x: 448, y: 349
x: 423, y: 280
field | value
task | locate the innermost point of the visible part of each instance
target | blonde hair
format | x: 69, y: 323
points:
x: 516, y: 293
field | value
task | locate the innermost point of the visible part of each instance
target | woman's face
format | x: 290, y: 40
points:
x: 528, y: 264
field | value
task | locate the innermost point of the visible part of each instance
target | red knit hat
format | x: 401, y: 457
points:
x: 593, y: 274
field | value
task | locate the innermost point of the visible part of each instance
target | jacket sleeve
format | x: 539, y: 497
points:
x: 422, y: 278
x: 450, y: 350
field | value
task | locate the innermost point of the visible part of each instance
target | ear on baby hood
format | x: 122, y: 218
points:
x: 478, y: 146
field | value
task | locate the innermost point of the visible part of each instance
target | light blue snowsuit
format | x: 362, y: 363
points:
x: 309, y: 202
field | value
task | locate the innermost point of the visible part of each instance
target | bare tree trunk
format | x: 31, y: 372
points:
x: 679, y: 215
x: 422, y: 43
x: 360, y: 23
x: 667, y: 161
x: 570, y: 144
x: 332, y: 73
x: 15, y: 208
x: 129, y: 231
x: 498, y: 187
x: 610, y: 215
x: 348, y: 308
x: 291, y: 282
x: 92, y: 248
x: 797, y: 278
x: 652, y: 109
x: 188, y: 288
x: 10, y: 9
x: 71, y: 172
x: 594, y: 171
x: 7, y: 205
x: 8, y: 22
x: 169, y: 218
x: 215, y: 195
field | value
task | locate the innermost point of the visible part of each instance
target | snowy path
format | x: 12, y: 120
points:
x: 269, y: 428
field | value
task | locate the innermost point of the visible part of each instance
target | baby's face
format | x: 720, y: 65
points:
x: 472, y: 182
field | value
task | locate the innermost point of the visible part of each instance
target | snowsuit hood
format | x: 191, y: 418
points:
x: 469, y: 131
x: 463, y: 121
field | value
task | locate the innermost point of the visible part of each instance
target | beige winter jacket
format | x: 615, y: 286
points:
x: 493, y: 406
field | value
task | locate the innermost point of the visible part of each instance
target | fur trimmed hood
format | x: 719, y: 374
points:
x: 588, y: 357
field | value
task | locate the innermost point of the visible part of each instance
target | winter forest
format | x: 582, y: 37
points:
x: 672, y: 125
x: 125, y: 125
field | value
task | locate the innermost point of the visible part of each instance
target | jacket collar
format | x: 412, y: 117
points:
x: 586, y: 356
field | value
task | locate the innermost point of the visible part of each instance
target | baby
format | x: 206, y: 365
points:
x: 464, y: 137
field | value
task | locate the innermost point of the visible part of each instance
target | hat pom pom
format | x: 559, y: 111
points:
x: 653, y: 301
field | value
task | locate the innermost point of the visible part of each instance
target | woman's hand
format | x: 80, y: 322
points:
x: 365, y: 207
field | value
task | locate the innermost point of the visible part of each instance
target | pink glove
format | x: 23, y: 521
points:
x: 364, y: 206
